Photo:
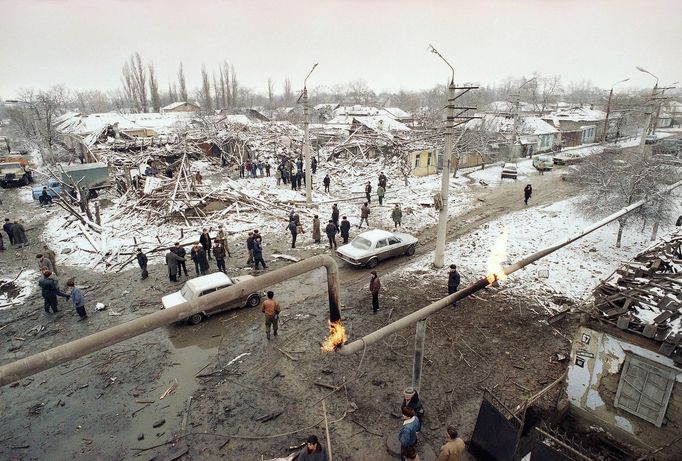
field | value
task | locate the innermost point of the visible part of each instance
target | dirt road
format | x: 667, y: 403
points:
x: 108, y: 405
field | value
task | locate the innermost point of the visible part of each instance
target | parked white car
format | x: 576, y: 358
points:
x: 509, y: 170
x: 200, y: 286
x: 370, y: 247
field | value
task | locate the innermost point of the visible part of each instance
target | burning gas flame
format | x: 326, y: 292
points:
x: 337, y: 336
x: 498, y: 254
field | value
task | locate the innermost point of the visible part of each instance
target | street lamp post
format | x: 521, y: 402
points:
x: 306, y: 142
x: 608, y: 110
x: 439, y: 258
x: 517, y: 106
x: 645, y: 131
x: 660, y: 103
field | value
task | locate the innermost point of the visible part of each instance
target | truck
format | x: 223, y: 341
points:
x: 14, y: 174
x: 92, y: 176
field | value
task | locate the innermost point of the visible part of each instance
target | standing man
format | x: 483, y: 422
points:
x: 249, y: 248
x: 294, y: 231
x: 78, y: 300
x: 411, y: 400
x: 374, y: 288
x: 258, y: 252
x: 408, y: 435
x: 200, y: 259
x: 221, y: 234
x: 331, y: 231
x: 205, y: 240
x: 312, y: 451
x: 267, y: 169
x: 364, y: 214
x: 453, y: 450
x: 368, y: 192
x: 345, y: 229
x: 527, y: 192
x: 453, y: 279
x: 219, y: 253
x: 49, y: 254
x: 326, y: 181
x: 335, y: 215
x: 172, y: 262
x: 182, y: 265
x: 380, y: 193
x: 313, y: 165
x: 142, y: 261
x: 397, y: 216
x: 317, y: 233
x: 271, y: 309
x: 19, y: 234
x: 382, y: 180
x: 7, y: 227
x: 44, y: 264
x: 50, y: 291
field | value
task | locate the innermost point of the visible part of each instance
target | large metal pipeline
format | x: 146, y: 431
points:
x: 359, y: 344
x: 72, y: 350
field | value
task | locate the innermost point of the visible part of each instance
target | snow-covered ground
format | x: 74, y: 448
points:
x: 572, y: 271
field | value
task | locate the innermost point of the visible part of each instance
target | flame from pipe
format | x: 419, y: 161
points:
x: 337, y: 337
x: 498, y: 255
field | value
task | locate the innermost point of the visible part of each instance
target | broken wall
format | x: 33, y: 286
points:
x: 597, y: 360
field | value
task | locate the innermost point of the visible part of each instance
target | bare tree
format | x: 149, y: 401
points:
x: 154, y: 89
x: 287, y: 95
x: 235, y: 85
x: 92, y: 101
x: 225, y: 76
x: 140, y: 79
x: 182, y: 84
x: 223, y: 92
x: 129, y: 87
x: 216, y: 92
x: 206, y: 90
x: 271, y: 92
x: 34, y: 117
x: 612, y: 183
x: 544, y: 93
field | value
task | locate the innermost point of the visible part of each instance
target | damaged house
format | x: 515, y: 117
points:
x: 626, y: 359
x: 534, y: 134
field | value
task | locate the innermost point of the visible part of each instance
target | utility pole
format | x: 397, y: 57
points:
x: 439, y: 257
x: 608, y: 111
x: 645, y: 130
x: 517, y: 107
x: 306, y: 142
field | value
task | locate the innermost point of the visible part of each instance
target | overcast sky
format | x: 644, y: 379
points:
x: 83, y: 43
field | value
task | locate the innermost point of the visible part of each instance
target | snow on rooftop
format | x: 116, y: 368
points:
x: 394, y: 112
x: 175, y: 105
x: 577, y: 114
x: 527, y: 124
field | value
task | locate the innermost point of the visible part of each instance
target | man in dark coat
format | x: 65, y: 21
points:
x: 313, y: 165
x: 19, y: 234
x: 331, y: 231
x: 326, y: 181
x: 142, y: 261
x: 200, y: 260
x: 335, y: 215
x: 219, y: 253
x: 382, y: 180
x: 50, y: 291
x: 312, y: 451
x: 294, y: 231
x: 368, y: 192
x: 453, y: 281
x: 180, y: 251
x: 345, y: 229
x: 258, y: 252
x: 364, y: 214
x: 527, y: 192
x: 205, y: 240
x: 374, y: 288
x: 7, y: 227
x: 172, y: 262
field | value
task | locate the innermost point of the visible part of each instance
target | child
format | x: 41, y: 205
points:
x: 78, y: 300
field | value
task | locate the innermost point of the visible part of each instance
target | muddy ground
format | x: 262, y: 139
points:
x: 106, y: 405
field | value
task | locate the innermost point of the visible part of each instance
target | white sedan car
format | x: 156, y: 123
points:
x: 204, y: 285
x: 370, y: 247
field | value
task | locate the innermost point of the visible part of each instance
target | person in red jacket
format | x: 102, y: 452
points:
x: 374, y: 288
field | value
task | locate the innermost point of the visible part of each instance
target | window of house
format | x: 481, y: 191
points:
x: 429, y: 160
x: 644, y: 388
x: 417, y: 160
